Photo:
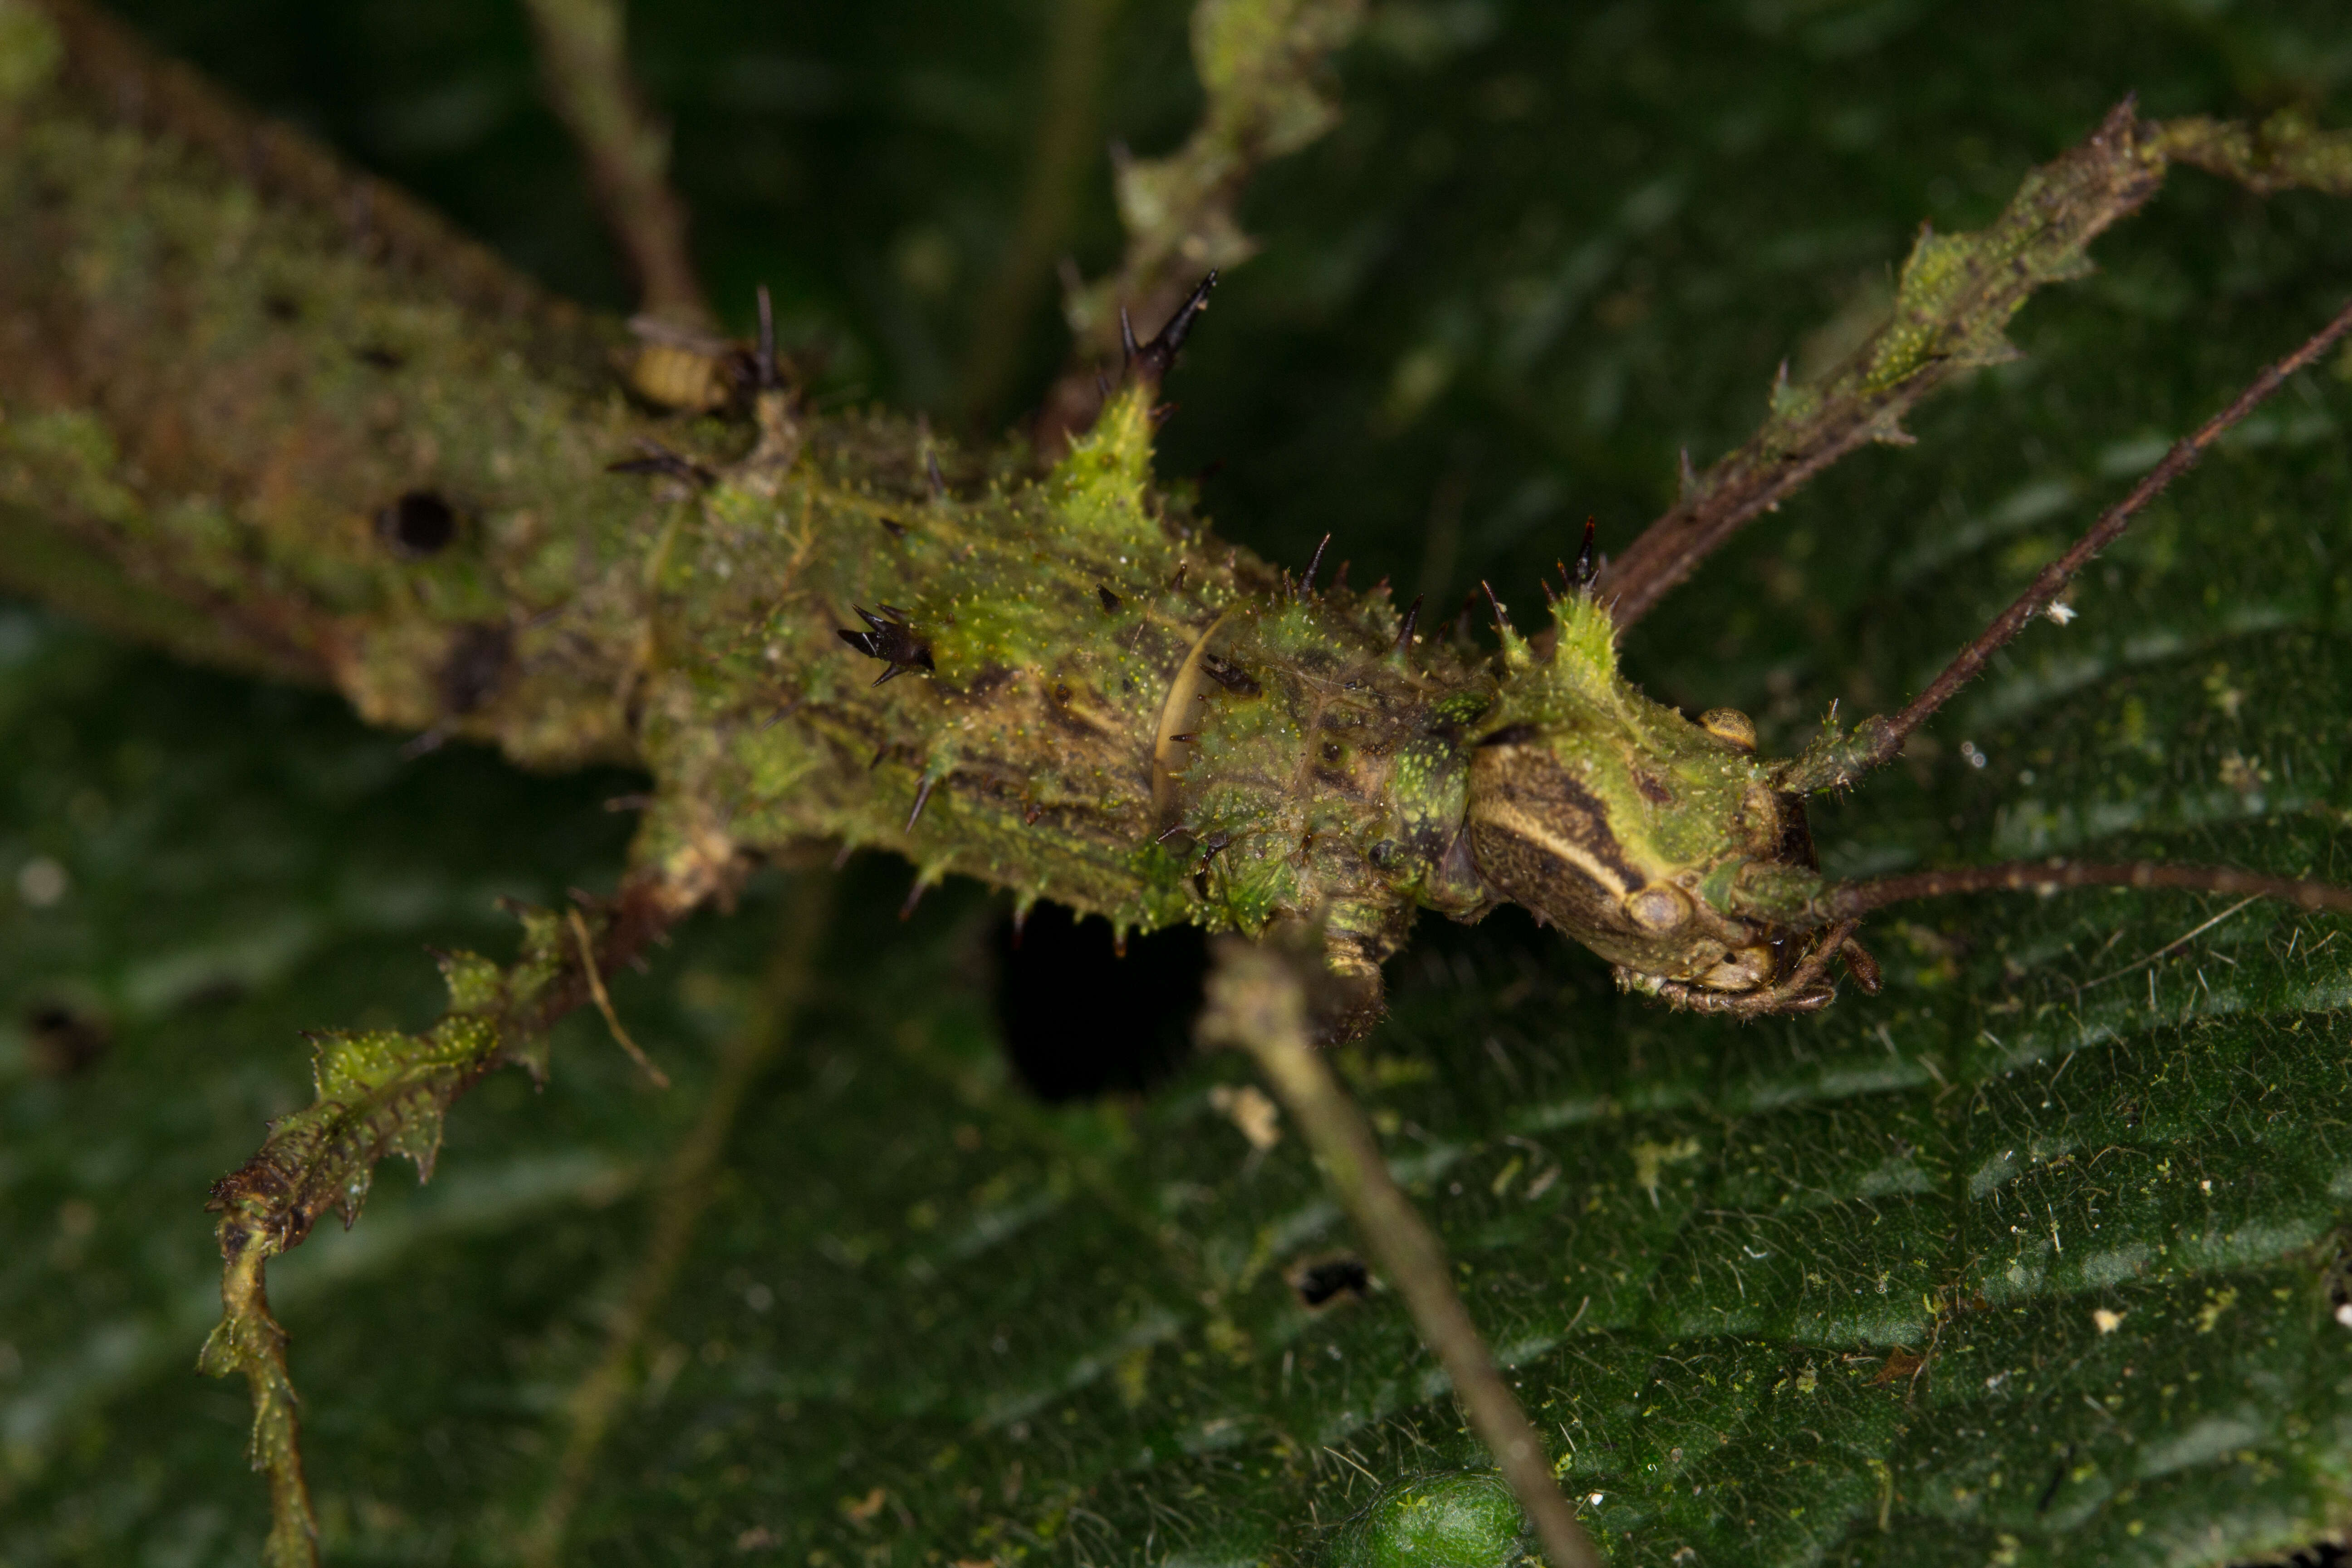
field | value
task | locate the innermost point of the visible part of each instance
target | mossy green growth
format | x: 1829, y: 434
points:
x: 1466, y: 1520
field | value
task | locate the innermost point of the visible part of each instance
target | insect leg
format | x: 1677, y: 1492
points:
x: 1853, y: 898
x: 1258, y: 1001
x: 1838, y: 761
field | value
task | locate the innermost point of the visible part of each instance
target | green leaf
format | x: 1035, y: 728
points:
x: 2036, y: 1257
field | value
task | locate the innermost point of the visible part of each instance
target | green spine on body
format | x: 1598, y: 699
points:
x: 1111, y: 710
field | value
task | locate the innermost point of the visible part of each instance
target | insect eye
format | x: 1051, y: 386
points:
x: 1658, y: 908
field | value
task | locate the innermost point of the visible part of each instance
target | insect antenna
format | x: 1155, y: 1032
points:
x: 1855, y: 898
x: 1876, y: 739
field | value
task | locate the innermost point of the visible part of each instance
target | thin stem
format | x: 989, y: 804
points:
x: 604, y: 1003
x: 2049, y: 876
x: 1068, y: 145
x: 685, y: 1192
x: 1256, y: 1001
x: 1876, y: 739
x: 582, y: 53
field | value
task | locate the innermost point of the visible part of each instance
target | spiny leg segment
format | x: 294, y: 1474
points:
x: 1837, y: 761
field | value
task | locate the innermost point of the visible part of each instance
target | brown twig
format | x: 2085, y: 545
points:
x: 583, y: 55
x: 1256, y: 1001
x: 1876, y: 739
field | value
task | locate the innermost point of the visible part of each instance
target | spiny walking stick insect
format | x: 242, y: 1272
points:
x: 1083, y: 697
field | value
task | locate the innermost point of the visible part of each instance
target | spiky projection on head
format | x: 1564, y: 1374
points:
x: 1663, y: 845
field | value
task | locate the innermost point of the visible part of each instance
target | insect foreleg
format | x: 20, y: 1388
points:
x: 1258, y: 1001
x: 1836, y: 760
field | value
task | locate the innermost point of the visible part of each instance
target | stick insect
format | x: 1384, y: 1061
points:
x: 1045, y: 674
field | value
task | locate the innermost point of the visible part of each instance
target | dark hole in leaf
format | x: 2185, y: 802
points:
x: 64, y: 1043
x: 1330, y: 1280
x: 1079, y: 1021
x: 418, y: 525
x: 2326, y: 1554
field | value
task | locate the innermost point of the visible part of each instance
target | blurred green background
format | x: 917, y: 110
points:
x: 930, y: 1319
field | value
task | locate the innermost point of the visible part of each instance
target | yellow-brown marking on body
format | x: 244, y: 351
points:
x: 1183, y: 688
x: 1519, y: 823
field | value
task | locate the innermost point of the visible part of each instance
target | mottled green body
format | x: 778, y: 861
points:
x: 340, y: 351
x: 1118, y: 712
